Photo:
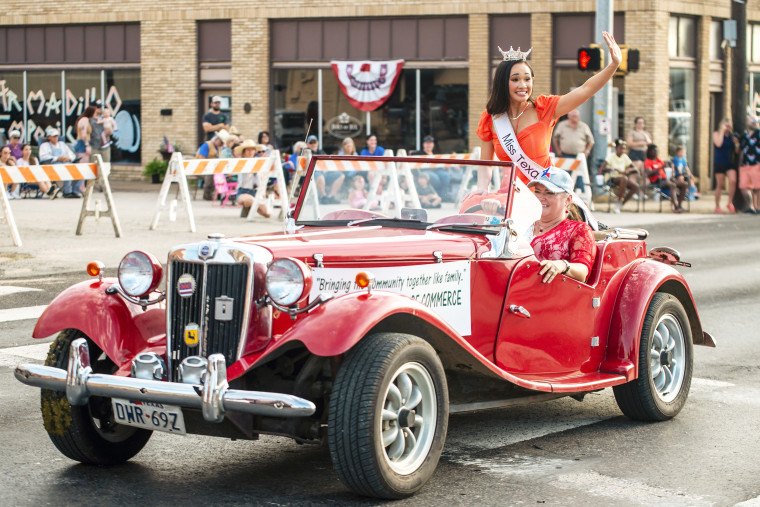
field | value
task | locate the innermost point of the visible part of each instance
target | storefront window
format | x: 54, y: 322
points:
x: 50, y: 104
x: 754, y: 92
x: 682, y: 37
x: 443, y: 110
x: 295, y: 94
x: 680, y: 116
x: 11, y: 103
x: 122, y: 92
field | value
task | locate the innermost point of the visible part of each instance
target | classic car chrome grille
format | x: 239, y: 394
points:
x: 215, y: 336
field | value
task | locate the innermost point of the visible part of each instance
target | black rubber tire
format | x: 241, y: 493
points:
x: 72, y: 429
x: 354, y: 441
x: 639, y: 399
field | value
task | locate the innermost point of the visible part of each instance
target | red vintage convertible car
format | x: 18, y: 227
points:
x: 366, y: 323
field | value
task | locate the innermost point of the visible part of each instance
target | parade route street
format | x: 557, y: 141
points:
x: 562, y: 452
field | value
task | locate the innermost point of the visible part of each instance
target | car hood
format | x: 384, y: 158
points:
x: 369, y: 244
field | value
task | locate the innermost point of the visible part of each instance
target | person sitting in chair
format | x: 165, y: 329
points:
x: 619, y: 170
x: 655, y: 171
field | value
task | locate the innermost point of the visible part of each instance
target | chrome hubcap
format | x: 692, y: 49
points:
x: 408, y: 418
x: 667, y: 358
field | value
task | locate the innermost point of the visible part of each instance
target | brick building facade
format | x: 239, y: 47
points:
x: 273, y: 61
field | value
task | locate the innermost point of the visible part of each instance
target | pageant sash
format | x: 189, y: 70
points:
x: 529, y: 170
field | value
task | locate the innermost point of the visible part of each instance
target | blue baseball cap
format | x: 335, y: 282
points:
x: 555, y: 179
x: 312, y: 139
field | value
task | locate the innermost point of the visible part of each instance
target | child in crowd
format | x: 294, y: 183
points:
x: 109, y: 127
x: 681, y: 171
x: 658, y: 178
x: 357, y: 198
x: 429, y: 198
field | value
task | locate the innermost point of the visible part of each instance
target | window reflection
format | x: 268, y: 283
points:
x: 680, y: 114
x: 443, y: 110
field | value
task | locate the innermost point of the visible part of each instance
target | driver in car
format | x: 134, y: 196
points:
x: 561, y: 239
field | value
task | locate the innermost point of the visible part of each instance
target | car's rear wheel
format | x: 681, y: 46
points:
x: 388, y: 416
x: 87, y: 433
x: 665, y: 364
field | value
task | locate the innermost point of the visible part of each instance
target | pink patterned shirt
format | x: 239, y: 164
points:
x: 570, y: 240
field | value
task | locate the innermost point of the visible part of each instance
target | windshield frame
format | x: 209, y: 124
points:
x: 508, y: 168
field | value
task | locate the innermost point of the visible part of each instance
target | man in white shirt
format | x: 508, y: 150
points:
x: 54, y: 152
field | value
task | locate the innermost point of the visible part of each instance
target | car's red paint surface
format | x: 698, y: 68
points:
x: 569, y: 341
x: 120, y: 328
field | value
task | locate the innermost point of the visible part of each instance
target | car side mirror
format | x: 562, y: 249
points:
x: 504, y: 245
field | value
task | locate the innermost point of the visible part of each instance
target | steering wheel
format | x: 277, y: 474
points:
x: 501, y: 210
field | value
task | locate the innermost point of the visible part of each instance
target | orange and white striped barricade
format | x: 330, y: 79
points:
x: 179, y: 170
x: 466, y: 175
x: 578, y: 168
x: 377, y: 167
x: 300, y: 172
x: 7, y: 212
x: 91, y: 172
x: 271, y: 168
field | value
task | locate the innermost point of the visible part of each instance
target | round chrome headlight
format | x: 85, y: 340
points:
x: 288, y: 281
x: 139, y: 273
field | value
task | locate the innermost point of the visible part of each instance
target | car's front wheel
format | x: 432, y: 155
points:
x: 87, y: 433
x: 388, y: 416
x: 665, y: 364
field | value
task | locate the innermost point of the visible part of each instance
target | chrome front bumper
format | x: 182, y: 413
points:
x: 214, y: 397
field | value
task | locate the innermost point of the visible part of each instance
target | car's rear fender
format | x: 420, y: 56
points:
x: 335, y: 327
x: 121, y: 329
x: 639, y: 286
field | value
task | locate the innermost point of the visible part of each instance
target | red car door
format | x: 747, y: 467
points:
x: 546, y: 329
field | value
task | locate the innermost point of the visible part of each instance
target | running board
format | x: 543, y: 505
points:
x: 459, y: 408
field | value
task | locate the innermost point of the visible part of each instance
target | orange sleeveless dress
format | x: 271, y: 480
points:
x: 534, y: 140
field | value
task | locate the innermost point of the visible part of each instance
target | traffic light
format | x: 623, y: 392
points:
x: 590, y: 58
x: 633, y: 60
x: 630, y: 60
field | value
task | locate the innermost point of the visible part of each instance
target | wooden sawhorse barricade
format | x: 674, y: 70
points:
x: 378, y: 167
x: 393, y: 193
x: 179, y: 170
x: 92, y: 172
x: 467, y: 176
x: 578, y: 169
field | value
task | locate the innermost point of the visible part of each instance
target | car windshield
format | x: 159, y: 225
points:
x: 414, y: 192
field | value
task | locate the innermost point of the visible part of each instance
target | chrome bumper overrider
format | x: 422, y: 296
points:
x: 214, y: 398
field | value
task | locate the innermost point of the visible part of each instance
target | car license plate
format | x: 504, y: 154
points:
x: 149, y: 415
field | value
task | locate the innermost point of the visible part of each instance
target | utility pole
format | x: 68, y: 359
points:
x: 739, y: 88
x: 602, y: 100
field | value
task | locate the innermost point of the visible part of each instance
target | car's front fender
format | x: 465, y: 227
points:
x: 639, y: 286
x: 121, y: 329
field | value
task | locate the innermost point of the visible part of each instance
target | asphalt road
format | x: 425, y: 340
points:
x: 559, y: 453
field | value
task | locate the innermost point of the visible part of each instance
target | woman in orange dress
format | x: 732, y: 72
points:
x: 532, y: 119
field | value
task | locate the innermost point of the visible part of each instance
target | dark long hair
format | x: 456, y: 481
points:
x: 88, y: 113
x: 266, y: 132
x: 498, y: 101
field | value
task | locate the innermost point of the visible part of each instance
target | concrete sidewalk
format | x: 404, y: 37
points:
x: 50, y: 245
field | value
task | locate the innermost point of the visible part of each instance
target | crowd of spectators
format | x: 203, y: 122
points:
x: 94, y: 130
